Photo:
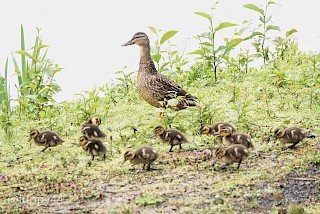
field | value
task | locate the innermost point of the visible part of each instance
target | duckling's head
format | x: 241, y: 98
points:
x: 220, y: 153
x: 278, y: 132
x: 225, y: 131
x: 128, y: 155
x: 96, y: 120
x: 159, y: 130
x: 205, y: 129
x: 33, y: 134
x: 139, y: 38
x: 83, y: 140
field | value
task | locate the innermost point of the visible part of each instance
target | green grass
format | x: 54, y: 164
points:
x: 184, y: 181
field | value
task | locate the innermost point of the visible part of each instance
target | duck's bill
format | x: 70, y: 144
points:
x: 128, y: 43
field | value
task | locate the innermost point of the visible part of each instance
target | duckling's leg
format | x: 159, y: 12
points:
x: 293, y: 145
x: 92, y: 157
x: 143, y: 166
x: 104, y: 156
x: 148, y: 167
x: 171, y: 148
x: 180, y: 146
x: 44, y: 149
x: 239, y: 164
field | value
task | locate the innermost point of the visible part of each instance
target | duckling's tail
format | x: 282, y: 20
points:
x: 310, y: 135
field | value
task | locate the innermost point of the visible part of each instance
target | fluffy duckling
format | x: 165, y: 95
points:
x: 215, y: 128
x: 93, y: 147
x: 291, y: 135
x: 144, y: 155
x: 170, y: 136
x: 230, y: 138
x: 234, y: 153
x: 91, y: 128
x: 45, y: 138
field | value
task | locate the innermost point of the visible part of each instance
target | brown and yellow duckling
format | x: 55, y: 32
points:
x: 230, y: 138
x: 45, y: 138
x: 144, y: 155
x: 93, y: 147
x: 235, y: 153
x: 91, y: 128
x: 291, y: 135
x: 170, y: 136
x: 215, y: 128
x: 155, y: 88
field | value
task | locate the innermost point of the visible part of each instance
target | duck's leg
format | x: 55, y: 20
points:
x: 143, y: 166
x: 44, y: 149
x: 180, y: 146
x: 293, y: 145
x: 92, y: 157
x: 104, y: 156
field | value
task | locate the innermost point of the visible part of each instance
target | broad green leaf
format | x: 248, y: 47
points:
x: 24, y: 53
x: 254, y: 8
x: 152, y: 29
x: 198, y: 52
x: 224, y: 25
x: 167, y: 36
x: 272, y: 2
x: 43, y: 46
x: 234, y: 42
x: 273, y: 27
x: 253, y: 35
x: 206, y: 43
x: 205, y: 15
x: 290, y: 32
x: 156, y: 57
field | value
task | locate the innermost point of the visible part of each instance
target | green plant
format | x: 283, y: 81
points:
x: 6, y: 113
x: 209, y: 52
x: 261, y: 36
x: 36, y: 78
x: 148, y: 200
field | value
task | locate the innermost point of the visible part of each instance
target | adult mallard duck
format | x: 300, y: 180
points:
x: 156, y: 88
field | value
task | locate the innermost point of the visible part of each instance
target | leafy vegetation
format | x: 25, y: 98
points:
x: 284, y: 92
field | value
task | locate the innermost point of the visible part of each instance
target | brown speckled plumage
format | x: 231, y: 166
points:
x: 215, y: 128
x: 93, y: 147
x: 234, y: 153
x: 45, y: 138
x: 91, y: 128
x: 292, y: 135
x: 155, y: 88
x: 230, y: 138
x: 144, y: 155
x: 170, y: 136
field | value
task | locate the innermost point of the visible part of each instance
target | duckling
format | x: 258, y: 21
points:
x: 291, y: 135
x: 45, y: 138
x: 230, y: 138
x: 170, y: 136
x: 234, y: 153
x: 93, y: 147
x: 91, y: 128
x: 215, y: 128
x: 144, y: 155
x: 94, y: 120
x: 156, y: 89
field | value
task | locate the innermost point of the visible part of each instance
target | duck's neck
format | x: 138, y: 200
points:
x: 146, y: 63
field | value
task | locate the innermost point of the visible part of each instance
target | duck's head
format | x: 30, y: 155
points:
x: 83, y: 140
x: 33, y: 134
x: 139, y: 38
x: 159, y: 130
x: 128, y: 155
